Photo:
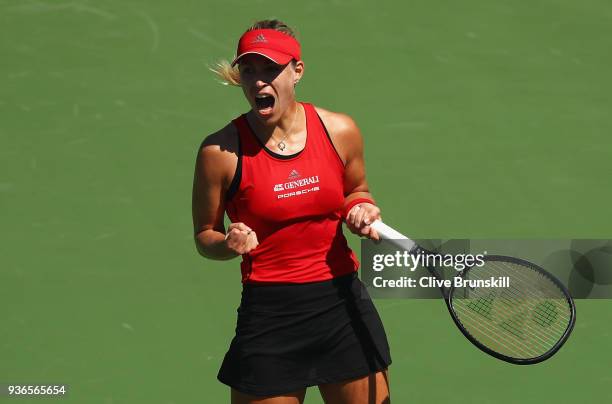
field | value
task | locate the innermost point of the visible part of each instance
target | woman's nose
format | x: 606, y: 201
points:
x: 259, y: 83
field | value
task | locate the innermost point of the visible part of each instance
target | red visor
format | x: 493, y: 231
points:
x: 275, y: 45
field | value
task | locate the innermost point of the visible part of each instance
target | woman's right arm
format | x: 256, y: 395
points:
x: 215, y: 167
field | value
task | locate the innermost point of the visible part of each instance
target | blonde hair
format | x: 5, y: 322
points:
x: 230, y: 75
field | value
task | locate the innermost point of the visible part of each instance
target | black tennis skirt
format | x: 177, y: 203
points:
x: 292, y: 336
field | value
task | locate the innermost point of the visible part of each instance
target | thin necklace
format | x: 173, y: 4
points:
x: 281, y: 145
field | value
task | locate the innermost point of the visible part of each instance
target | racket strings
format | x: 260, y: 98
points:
x: 514, y: 322
x: 517, y: 299
x: 482, y: 305
x: 512, y: 305
x: 512, y: 296
x: 514, y: 325
x: 523, y: 321
x: 554, y: 293
x: 546, y: 314
x: 490, y: 335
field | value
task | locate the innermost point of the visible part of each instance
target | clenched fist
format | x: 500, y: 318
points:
x: 240, y: 238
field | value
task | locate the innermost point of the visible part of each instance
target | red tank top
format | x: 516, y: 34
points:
x: 294, y: 204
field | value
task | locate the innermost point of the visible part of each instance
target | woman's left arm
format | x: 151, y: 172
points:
x: 360, y: 210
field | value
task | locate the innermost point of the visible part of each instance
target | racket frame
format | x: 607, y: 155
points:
x: 448, y: 298
x: 412, y: 247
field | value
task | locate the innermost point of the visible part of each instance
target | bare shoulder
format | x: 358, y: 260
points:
x: 218, y: 153
x: 225, y: 140
x: 338, y: 124
x: 344, y: 133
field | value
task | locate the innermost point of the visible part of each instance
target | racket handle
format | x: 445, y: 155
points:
x: 394, y: 236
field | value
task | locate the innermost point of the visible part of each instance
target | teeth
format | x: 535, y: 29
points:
x: 262, y: 95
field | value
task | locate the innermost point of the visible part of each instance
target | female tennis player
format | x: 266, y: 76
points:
x: 288, y: 174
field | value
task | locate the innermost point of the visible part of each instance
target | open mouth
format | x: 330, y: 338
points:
x: 264, y: 102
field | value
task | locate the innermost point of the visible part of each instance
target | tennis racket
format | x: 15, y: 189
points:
x: 524, y: 323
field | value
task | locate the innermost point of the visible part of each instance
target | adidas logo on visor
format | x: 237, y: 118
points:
x: 259, y: 38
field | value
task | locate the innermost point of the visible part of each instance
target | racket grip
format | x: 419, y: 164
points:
x: 393, y: 236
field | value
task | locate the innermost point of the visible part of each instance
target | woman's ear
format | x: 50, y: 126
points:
x: 299, y: 71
